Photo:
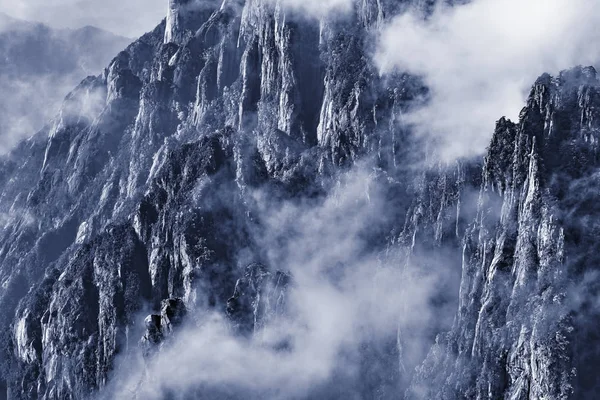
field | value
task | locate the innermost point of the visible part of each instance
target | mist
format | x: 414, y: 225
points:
x: 480, y: 59
x: 346, y: 295
x: 317, y: 8
x: 39, y: 67
x: 131, y: 18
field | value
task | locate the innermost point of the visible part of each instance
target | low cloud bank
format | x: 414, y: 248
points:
x: 480, y: 59
x: 347, y: 295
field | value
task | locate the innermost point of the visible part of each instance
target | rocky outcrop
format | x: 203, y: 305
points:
x: 69, y: 327
x: 160, y: 327
x: 258, y: 296
x: 518, y: 326
x: 144, y: 188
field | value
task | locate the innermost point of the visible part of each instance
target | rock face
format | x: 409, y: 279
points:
x: 140, y: 197
x: 258, y: 296
x: 521, y: 324
x: 160, y: 327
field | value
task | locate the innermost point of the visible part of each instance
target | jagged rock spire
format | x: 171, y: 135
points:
x: 184, y: 17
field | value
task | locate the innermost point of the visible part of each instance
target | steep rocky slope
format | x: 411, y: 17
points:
x: 158, y: 154
x: 148, y: 204
x: 525, y: 323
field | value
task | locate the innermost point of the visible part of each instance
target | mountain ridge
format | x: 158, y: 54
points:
x: 167, y: 179
x: 40, y: 65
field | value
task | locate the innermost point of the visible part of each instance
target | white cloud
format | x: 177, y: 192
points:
x: 370, y: 297
x: 34, y: 101
x: 480, y: 59
x: 130, y: 18
x: 318, y: 8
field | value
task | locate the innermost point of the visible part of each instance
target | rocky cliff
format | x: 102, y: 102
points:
x: 524, y: 328
x: 150, y: 205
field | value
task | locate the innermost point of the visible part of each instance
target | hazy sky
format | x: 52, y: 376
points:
x: 130, y: 18
x: 480, y: 60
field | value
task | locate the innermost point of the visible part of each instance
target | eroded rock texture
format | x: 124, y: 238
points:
x: 139, y: 199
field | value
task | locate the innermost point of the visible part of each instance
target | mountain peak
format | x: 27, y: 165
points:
x: 239, y: 199
x: 184, y: 17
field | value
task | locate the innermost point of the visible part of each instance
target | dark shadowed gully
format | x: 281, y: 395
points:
x: 236, y: 208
